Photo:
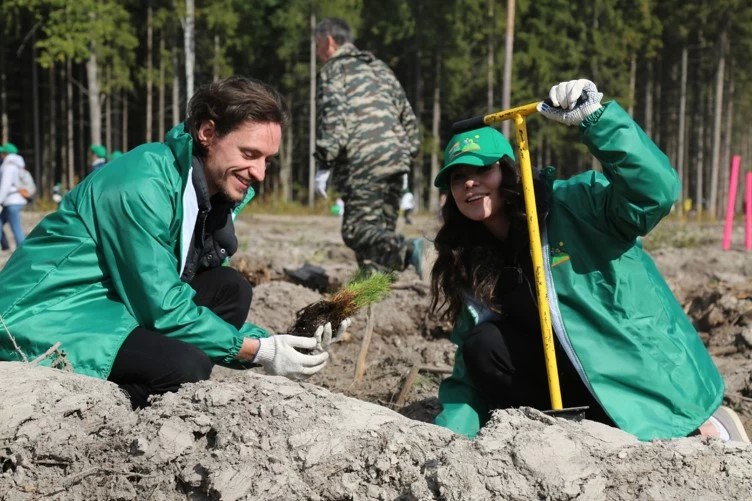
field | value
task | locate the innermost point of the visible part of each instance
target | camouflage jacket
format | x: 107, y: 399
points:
x: 366, y: 127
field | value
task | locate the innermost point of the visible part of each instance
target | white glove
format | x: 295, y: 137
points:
x: 320, y: 180
x: 323, y: 334
x: 278, y: 356
x: 564, y: 106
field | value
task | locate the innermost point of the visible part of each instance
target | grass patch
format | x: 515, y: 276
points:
x: 679, y: 234
x: 269, y: 204
x: 43, y: 204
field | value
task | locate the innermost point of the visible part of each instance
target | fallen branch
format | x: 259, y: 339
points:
x: 12, y: 340
x: 436, y: 370
x: 71, y: 480
x: 421, y: 289
x: 51, y: 462
x: 723, y: 350
x: 52, y: 349
x: 410, y: 380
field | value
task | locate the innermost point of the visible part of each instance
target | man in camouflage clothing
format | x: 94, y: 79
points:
x: 367, y: 134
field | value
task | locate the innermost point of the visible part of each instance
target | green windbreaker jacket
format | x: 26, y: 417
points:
x: 611, y: 310
x: 108, y: 260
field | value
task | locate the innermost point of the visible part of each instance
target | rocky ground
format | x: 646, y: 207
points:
x: 244, y: 435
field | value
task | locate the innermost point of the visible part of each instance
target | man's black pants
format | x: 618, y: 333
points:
x: 507, y: 364
x: 150, y: 363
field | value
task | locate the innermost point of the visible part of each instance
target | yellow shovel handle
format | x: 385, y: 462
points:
x: 549, y: 352
x: 499, y: 116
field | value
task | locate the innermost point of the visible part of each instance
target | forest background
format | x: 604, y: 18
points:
x: 119, y: 73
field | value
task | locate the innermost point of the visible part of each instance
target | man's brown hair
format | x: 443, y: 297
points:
x: 231, y: 102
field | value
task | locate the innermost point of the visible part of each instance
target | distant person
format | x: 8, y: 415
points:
x: 367, y: 136
x: 98, y: 154
x: 114, y: 155
x: 407, y: 205
x: 11, y: 201
x: 407, y: 202
x: 57, y: 193
x: 128, y: 273
x: 624, y: 346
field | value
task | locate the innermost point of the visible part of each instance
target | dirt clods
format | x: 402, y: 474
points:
x: 243, y: 435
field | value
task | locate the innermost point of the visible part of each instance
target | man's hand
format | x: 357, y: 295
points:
x: 571, y: 102
x: 279, y: 357
x: 323, y: 335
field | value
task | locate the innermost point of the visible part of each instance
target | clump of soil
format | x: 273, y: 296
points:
x: 68, y: 437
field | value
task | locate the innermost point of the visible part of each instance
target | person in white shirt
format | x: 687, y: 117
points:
x: 11, y: 201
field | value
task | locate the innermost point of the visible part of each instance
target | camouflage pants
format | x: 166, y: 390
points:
x: 369, y: 223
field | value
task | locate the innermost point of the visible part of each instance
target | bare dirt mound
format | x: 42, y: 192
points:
x: 263, y: 437
x: 244, y: 435
x: 715, y: 288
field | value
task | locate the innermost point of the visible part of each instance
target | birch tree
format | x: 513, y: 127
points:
x: 189, y: 46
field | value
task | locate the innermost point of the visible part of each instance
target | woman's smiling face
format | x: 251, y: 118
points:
x: 476, y: 190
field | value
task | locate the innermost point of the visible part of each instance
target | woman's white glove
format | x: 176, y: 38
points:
x: 278, y: 356
x: 323, y: 334
x: 571, y: 102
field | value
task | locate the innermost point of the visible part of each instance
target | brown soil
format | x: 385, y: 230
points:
x: 245, y: 435
x: 713, y: 285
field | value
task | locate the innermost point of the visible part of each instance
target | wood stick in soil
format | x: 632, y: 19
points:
x: 410, y: 380
x: 360, y: 365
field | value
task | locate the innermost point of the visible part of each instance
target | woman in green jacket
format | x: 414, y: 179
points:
x: 625, y: 348
x: 127, y: 274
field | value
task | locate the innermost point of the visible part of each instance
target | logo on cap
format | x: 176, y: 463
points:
x: 467, y: 144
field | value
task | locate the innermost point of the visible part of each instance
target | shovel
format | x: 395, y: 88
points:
x: 518, y: 114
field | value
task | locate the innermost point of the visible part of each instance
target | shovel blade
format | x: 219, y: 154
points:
x: 570, y: 413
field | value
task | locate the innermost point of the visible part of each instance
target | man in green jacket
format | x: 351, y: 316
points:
x: 367, y: 137
x: 625, y: 347
x: 127, y: 274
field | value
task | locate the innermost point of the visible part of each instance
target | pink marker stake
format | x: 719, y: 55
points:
x: 734, y: 182
x: 748, y: 218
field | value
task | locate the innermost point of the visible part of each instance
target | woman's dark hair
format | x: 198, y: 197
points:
x: 231, y: 102
x: 469, y: 256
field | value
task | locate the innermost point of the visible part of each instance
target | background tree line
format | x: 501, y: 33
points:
x: 119, y: 73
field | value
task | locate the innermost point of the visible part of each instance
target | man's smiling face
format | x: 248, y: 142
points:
x: 233, y: 161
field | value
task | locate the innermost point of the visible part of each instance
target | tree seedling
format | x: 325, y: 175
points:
x: 362, y: 290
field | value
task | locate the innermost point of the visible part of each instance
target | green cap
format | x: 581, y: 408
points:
x: 478, y: 147
x: 8, y: 148
x: 98, y: 150
x: 115, y: 155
